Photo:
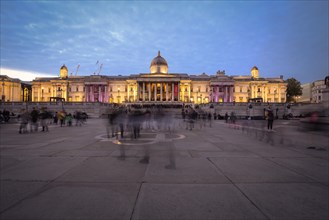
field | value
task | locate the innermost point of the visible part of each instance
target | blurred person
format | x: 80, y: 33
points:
x: 34, y: 119
x: 6, y: 115
x: 24, y: 119
x: 69, y: 119
x: 111, y: 123
x: 270, y: 119
x: 209, y: 119
x: 171, y: 155
x: 226, y: 117
x: 43, y: 117
x: 61, y: 116
x: 55, y: 118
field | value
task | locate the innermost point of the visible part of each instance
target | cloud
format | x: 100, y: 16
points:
x: 23, y: 74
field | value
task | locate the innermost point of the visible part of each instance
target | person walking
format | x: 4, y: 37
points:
x: 226, y: 117
x: 24, y: 118
x: 270, y: 119
x: 34, y: 120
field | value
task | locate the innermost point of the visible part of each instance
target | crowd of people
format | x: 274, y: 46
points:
x: 30, y: 121
x: 5, y: 115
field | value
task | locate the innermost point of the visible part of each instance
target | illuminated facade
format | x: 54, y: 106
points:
x: 254, y: 87
x: 14, y: 90
x: 317, y: 91
x: 159, y: 86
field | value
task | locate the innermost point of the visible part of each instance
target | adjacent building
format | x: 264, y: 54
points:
x: 317, y: 88
x: 306, y: 96
x: 14, y: 90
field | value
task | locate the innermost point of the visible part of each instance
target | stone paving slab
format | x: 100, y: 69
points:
x: 77, y: 201
x: 314, y: 168
x: 276, y: 151
x: 82, y: 153
x: 229, y: 154
x: 195, y: 145
x: 194, y: 201
x: 188, y: 170
x: 289, y: 200
x: 256, y: 170
x: 41, y: 169
x: 10, y: 161
x: 14, y: 191
x: 106, y: 169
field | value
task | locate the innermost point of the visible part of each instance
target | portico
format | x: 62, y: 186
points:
x: 221, y: 92
x: 158, y: 89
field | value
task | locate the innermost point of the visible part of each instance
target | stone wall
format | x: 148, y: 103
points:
x: 96, y: 109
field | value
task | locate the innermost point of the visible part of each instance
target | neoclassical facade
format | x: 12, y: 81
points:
x: 159, y: 85
x: 14, y: 90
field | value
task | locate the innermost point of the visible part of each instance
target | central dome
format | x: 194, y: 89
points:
x: 159, y: 65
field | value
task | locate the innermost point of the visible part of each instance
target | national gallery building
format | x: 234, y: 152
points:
x: 159, y: 86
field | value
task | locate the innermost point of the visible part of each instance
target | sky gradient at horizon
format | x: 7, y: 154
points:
x: 280, y: 38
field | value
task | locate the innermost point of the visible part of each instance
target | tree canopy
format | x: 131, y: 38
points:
x: 294, y: 89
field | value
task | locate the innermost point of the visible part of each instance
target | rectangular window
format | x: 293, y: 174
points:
x: 77, y: 89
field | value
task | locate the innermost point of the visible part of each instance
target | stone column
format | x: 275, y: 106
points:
x: 252, y: 91
x: 225, y: 94
x: 167, y: 92
x: 149, y: 91
x: 161, y: 98
x: 90, y: 92
x: 155, y: 91
x: 231, y: 89
x: 172, y: 91
x: 189, y: 92
x: 214, y: 94
x: 128, y: 93
x: 143, y: 92
x: 178, y: 91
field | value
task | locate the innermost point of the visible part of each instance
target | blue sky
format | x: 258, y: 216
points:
x: 288, y: 38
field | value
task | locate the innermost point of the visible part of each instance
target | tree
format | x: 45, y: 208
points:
x: 294, y: 89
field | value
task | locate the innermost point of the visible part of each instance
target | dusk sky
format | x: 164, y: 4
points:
x: 288, y: 38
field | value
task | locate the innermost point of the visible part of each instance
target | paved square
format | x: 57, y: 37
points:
x: 215, y: 172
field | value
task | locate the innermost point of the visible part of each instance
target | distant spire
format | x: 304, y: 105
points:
x: 159, y: 53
